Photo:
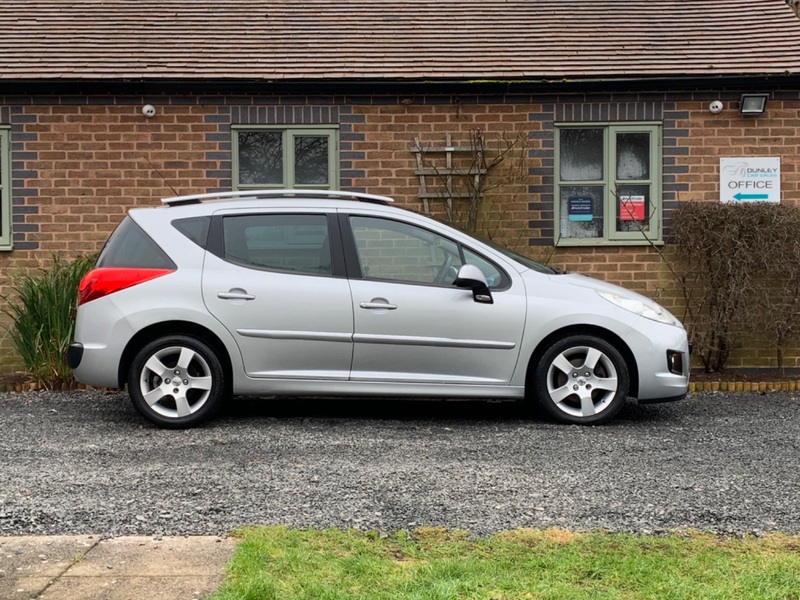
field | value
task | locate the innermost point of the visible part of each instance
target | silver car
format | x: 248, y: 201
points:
x: 297, y: 293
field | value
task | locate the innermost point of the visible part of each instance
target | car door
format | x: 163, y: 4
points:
x: 272, y: 280
x: 412, y: 324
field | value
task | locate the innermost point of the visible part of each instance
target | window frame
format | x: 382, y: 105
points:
x: 289, y: 132
x: 609, y: 183
x: 6, y: 239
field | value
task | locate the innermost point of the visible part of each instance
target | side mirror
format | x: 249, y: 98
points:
x: 472, y: 278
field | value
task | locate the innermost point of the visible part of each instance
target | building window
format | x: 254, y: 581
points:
x: 5, y: 191
x: 280, y: 157
x: 608, y: 184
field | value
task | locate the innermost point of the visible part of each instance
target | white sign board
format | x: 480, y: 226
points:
x: 750, y: 179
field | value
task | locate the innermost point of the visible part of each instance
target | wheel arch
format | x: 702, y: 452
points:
x: 606, y: 335
x: 167, y: 328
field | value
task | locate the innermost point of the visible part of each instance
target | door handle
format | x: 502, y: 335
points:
x: 378, y: 305
x: 235, y: 296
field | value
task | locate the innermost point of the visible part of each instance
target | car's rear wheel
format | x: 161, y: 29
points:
x: 176, y: 382
x: 582, y: 379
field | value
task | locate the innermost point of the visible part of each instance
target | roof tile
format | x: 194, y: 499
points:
x: 395, y: 40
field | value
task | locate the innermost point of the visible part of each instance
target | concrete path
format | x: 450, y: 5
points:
x: 123, y: 568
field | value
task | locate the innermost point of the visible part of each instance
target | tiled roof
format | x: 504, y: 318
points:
x: 395, y: 40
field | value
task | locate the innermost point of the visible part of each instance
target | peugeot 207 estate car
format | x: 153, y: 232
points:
x: 294, y: 292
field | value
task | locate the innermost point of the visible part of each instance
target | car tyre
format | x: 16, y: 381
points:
x: 176, y: 382
x: 581, y: 379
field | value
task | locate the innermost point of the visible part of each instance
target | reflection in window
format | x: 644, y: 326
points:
x: 401, y: 252
x: 294, y: 243
x: 311, y: 160
x: 494, y: 277
x: 260, y: 157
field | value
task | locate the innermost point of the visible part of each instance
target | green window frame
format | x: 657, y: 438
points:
x: 277, y: 157
x: 608, y: 184
x: 5, y: 190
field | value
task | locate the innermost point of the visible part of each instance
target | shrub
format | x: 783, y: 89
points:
x: 42, y: 312
x: 739, y: 271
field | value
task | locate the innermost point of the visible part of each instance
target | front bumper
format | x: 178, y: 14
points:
x: 662, y: 359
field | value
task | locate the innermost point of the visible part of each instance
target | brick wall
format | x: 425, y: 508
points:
x: 79, y: 162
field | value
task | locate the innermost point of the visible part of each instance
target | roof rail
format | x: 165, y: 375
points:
x: 340, y: 195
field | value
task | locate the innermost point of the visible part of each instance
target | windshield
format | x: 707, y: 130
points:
x: 524, y: 260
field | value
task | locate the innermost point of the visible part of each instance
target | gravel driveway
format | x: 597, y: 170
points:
x: 83, y: 462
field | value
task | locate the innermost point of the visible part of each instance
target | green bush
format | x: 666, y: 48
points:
x: 42, y: 313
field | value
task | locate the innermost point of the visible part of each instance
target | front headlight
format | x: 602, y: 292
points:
x: 649, y: 310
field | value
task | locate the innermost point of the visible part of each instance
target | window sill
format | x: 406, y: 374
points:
x: 601, y: 243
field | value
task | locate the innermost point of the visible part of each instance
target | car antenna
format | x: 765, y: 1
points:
x: 160, y: 174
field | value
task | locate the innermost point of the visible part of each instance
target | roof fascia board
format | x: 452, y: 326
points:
x: 349, y: 87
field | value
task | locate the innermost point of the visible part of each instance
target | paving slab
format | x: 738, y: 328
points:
x: 28, y: 565
x: 90, y: 568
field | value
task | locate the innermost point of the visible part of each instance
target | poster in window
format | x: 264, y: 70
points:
x: 631, y: 208
x: 580, y: 208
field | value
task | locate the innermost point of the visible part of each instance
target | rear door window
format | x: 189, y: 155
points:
x: 280, y: 242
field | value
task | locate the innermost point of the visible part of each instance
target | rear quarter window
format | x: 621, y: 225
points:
x: 130, y: 246
x: 194, y: 228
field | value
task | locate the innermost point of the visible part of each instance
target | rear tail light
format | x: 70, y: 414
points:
x: 104, y: 281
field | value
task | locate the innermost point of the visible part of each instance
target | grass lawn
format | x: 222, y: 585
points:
x: 437, y: 564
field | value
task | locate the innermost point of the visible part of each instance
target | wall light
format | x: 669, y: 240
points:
x: 753, y: 104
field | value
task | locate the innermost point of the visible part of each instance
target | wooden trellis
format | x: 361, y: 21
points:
x: 446, y: 173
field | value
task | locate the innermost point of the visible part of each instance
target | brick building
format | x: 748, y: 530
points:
x: 605, y: 108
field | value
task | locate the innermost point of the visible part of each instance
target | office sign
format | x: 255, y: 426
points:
x: 750, y: 179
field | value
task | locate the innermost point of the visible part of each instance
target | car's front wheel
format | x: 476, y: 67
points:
x: 581, y: 379
x: 176, y: 382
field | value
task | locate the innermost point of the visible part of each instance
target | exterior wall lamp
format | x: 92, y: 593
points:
x: 753, y: 104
